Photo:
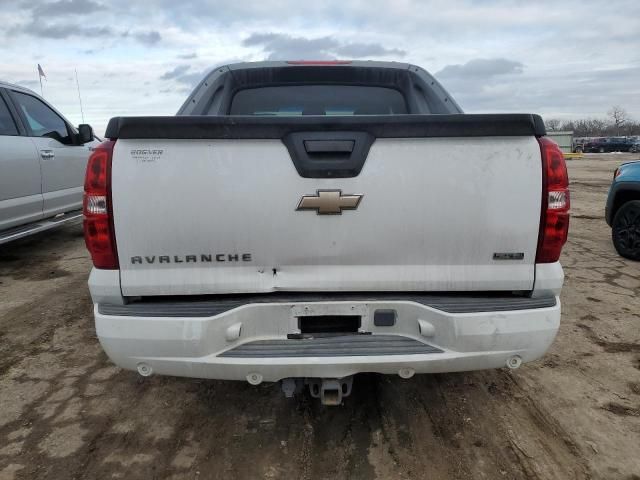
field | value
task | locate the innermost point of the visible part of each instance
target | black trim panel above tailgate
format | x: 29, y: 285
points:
x: 380, y: 126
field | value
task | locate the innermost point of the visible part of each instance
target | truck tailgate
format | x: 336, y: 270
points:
x: 204, y: 216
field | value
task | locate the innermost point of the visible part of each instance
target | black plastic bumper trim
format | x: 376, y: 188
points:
x: 216, y: 305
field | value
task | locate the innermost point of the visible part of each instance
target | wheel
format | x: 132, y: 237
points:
x: 578, y: 149
x: 625, y: 230
x: 601, y: 150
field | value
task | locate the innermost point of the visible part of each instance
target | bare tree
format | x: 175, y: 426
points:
x: 619, y: 116
x: 553, y: 124
x: 597, y: 126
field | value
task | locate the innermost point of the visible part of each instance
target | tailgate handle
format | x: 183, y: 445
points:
x: 329, y: 146
x: 328, y: 154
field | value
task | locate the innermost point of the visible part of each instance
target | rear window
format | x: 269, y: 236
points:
x: 292, y: 100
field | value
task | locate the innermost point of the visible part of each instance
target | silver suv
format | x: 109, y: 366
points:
x: 42, y: 164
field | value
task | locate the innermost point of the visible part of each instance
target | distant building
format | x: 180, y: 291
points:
x: 564, y: 139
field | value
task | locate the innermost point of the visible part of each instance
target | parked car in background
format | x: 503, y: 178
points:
x: 609, y: 144
x: 623, y: 210
x: 42, y: 164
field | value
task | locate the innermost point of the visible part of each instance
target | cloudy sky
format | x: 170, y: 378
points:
x: 560, y: 58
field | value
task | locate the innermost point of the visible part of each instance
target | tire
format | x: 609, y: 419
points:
x: 625, y: 230
x: 601, y: 150
x: 578, y: 149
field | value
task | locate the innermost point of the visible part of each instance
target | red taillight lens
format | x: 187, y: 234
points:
x: 98, y: 219
x: 554, y: 218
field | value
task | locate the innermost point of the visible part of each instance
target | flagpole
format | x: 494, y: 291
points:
x: 79, y: 97
x: 40, y: 78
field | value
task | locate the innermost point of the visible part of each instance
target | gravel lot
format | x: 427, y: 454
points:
x: 67, y: 412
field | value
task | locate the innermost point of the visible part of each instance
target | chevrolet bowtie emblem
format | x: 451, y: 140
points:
x: 329, y: 202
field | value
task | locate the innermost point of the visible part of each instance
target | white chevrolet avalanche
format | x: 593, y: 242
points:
x: 303, y: 222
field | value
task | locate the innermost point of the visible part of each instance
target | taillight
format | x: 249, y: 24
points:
x: 98, y: 219
x: 554, y: 218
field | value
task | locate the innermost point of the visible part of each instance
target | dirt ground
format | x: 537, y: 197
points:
x: 67, y: 412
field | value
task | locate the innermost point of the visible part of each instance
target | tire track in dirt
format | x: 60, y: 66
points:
x: 480, y: 425
x: 27, y: 329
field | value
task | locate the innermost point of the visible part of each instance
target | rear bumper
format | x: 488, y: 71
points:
x: 250, y: 340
